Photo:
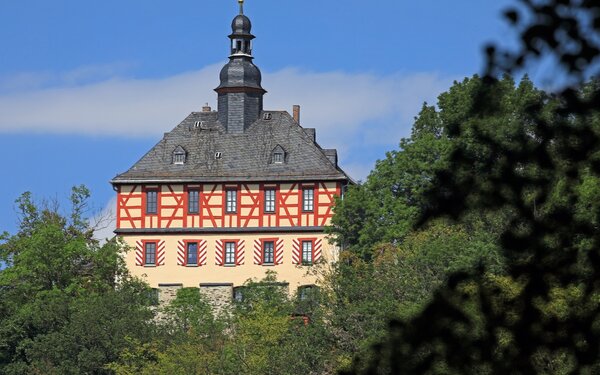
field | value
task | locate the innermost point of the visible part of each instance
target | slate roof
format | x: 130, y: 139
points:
x: 244, y: 157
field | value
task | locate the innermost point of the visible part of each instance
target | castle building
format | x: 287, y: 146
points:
x: 228, y: 195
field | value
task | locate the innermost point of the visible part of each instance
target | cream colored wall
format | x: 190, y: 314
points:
x: 171, y: 273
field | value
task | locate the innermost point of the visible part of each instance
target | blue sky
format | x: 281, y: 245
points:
x: 86, y: 88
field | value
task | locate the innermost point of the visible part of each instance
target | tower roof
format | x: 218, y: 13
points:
x: 240, y: 73
x: 240, y: 92
x: 241, y: 26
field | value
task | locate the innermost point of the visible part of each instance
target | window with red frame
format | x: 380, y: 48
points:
x: 192, y: 253
x: 150, y: 253
x: 230, y: 248
x: 307, y: 252
x: 268, y: 252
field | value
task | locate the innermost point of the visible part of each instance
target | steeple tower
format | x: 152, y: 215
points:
x: 240, y: 94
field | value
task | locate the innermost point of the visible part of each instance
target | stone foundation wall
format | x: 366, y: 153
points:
x: 219, y: 296
x: 167, y: 293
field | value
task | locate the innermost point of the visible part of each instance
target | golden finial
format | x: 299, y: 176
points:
x: 241, y: 6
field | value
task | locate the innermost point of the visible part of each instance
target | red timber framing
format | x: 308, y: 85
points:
x: 211, y: 211
x: 286, y: 212
x: 126, y: 211
x: 173, y: 211
x: 173, y: 206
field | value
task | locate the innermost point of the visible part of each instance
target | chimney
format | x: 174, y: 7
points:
x: 297, y: 113
x: 206, y: 108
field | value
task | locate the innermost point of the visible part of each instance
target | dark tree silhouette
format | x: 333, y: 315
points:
x: 551, y: 243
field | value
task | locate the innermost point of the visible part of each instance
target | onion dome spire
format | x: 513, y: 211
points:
x: 240, y: 94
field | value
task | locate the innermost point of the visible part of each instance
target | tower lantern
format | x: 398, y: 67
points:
x: 240, y: 94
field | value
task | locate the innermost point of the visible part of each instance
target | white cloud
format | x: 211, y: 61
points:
x: 352, y: 112
x: 142, y: 107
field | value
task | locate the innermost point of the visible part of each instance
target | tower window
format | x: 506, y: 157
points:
x: 238, y: 45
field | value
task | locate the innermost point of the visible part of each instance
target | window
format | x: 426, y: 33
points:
x: 308, y: 199
x: 307, y: 292
x: 179, y: 155
x: 150, y: 253
x: 268, y: 252
x: 193, y: 201
x: 278, y: 157
x: 230, y: 253
x: 270, y: 200
x: 178, y: 158
x: 231, y: 202
x: 192, y: 253
x: 151, y: 201
x: 153, y: 297
x: 307, y: 252
x: 238, y: 294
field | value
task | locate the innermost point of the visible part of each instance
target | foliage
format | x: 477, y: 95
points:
x: 387, y: 207
x: 258, y: 335
x: 67, y: 302
x: 542, y: 317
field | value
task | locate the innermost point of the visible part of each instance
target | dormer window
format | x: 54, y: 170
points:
x: 278, y: 155
x: 179, y: 156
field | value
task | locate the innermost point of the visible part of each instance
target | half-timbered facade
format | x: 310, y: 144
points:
x: 227, y: 195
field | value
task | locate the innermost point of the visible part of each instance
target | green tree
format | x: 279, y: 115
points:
x: 542, y: 317
x: 67, y: 301
x: 388, y: 206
